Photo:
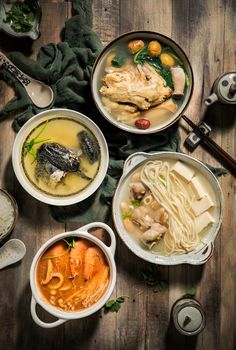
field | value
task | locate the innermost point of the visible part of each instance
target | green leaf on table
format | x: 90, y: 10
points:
x: 191, y: 292
x: 152, y: 278
x: 114, y: 305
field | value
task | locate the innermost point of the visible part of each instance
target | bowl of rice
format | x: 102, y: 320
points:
x: 8, y: 213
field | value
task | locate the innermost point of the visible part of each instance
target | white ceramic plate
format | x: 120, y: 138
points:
x: 29, y: 187
x: 203, y: 250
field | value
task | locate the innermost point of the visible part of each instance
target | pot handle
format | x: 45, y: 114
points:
x: 211, y: 99
x: 107, y: 228
x: 202, y: 256
x: 133, y: 160
x: 38, y: 321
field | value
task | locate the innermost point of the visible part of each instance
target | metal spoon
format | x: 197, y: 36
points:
x: 40, y: 93
x: 11, y: 252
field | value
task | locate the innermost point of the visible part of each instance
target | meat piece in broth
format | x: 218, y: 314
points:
x: 139, y: 85
x: 153, y: 235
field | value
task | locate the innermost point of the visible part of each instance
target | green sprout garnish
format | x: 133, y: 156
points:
x: 29, y: 146
x: 70, y: 241
x: 136, y: 202
x: 127, y: 215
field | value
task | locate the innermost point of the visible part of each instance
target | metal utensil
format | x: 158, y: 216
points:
x: 12, y: 251
x: 40, y: 93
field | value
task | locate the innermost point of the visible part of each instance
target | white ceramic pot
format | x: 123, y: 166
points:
x: 19, y: 171
x: 204, y: 250
x: 64, y: 316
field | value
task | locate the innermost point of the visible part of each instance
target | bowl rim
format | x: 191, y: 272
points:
x: 71, y: 315
x: 187, y: 259
x: 49, y: 199
x: 123, y: 126
x: 15, y: 208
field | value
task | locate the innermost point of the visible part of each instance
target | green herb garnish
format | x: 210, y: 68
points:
x: 118, y: 61
x: 21, y: 17
x: 114, y: 305
x: 127, y: 215
x: 29, y: 146
x: 191, y: 292
x: 142, y: 56
x: 153, y: 279
x: 136, y: 202
x: 70, y: 241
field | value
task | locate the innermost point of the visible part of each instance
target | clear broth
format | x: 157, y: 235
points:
x: 64, y: 132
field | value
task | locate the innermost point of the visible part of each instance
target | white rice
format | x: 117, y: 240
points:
x: 6, y: 214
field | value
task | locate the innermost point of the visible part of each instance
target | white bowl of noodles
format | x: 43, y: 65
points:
x: 167, y: 208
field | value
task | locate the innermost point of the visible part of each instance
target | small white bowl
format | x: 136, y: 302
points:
x: 204, y: 250
x: 98, y: 73
x: 19, y: 171
x: 64, y: 316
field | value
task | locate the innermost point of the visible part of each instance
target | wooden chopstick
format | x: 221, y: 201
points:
x: 228, y: 161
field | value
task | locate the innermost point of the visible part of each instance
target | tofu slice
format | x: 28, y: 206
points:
x: 184, y: 171
x: 202, y: 205
x: 203, y: 220
x: 198, y: 188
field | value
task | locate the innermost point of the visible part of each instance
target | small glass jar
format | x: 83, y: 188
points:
x: 188, y: 316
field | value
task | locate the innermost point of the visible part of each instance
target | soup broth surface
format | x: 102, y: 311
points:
x: 73, y: 276
x: 137, y: 85
x: 62, y: 131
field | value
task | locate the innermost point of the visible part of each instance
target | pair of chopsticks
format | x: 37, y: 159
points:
x: 227, y: 160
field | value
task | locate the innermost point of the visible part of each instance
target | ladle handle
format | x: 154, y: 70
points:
x: 40, y: 322
x: 23, y: 78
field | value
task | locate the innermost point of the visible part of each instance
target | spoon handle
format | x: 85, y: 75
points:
x: 16, y: 72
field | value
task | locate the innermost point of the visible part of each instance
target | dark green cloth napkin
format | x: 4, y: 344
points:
x: 66, y: 67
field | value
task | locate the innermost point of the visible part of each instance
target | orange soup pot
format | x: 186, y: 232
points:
x: 73, y: 275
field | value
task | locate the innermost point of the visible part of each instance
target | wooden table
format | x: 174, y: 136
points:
x: 206, y: 31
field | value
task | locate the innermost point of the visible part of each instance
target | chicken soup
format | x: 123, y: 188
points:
x: 73, y: 274
x: 144, y: 83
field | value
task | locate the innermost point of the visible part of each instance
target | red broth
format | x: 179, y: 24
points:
x: 73, y: 275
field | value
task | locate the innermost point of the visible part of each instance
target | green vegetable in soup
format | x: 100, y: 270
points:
x: 21, y: 17
x: 136, y: 202
x: 142, y: 56
x: 118, y: 61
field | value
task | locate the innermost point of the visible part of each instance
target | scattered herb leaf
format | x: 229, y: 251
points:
x: 70, y: 241
x: 191, y: 292
x: 114, y: 305
x: 152, y: 278
x: 136, y: 202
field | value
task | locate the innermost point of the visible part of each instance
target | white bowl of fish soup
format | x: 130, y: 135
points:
x: 73, y: 275
x: 60, y: 157
x: 167, y: 208
x: 142, y: 81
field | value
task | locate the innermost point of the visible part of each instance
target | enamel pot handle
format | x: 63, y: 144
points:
x: 202, y: 256
x: 37, y: 319
x: 107, y: 228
